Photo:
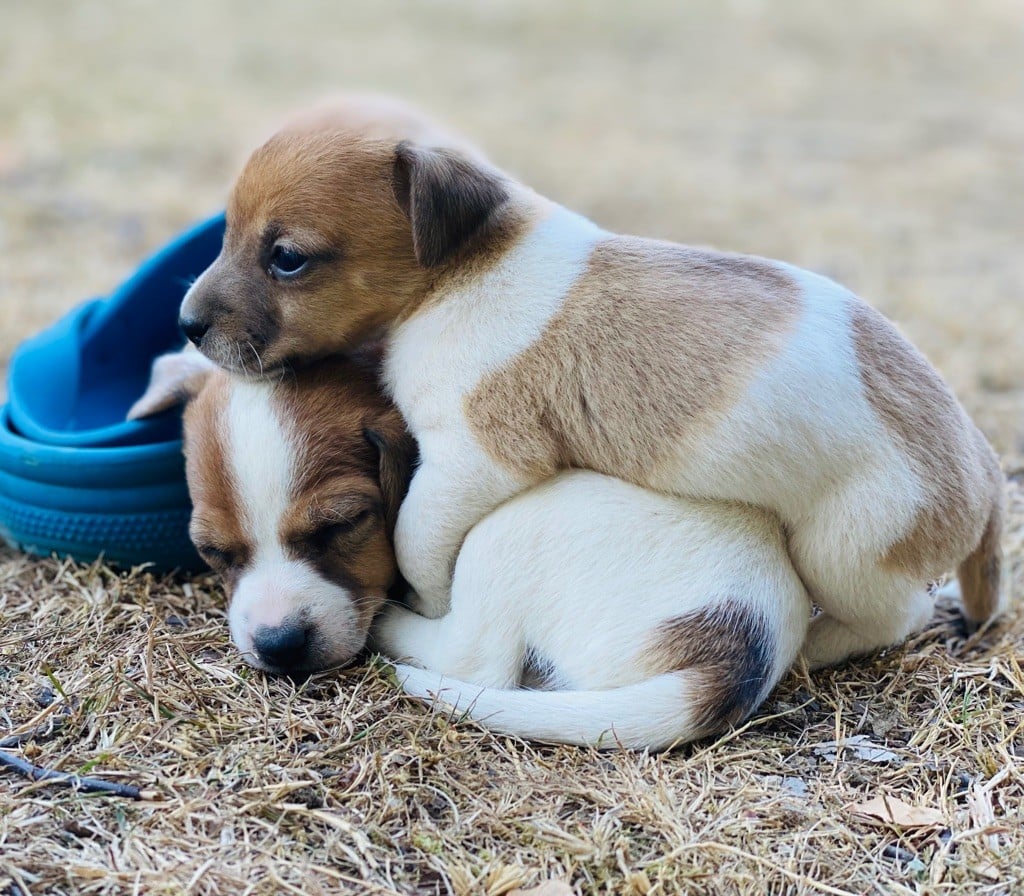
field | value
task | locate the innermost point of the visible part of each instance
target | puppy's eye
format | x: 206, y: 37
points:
x: 287, y: 263
x: 339, y: 528
x: 218, y: 558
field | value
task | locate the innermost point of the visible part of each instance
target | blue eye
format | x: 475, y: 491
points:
x: 287, y: 263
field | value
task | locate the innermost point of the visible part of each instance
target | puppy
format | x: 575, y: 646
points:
x: 647, y: 620
x: 525, y: 340
x: 295, y: 487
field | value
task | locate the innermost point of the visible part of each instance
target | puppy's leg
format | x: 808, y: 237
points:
x: 452, y: 490
x: 831, y: 640
x: 465, y: 644
x: 865, y: 604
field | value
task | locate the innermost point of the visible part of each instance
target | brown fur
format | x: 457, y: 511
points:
x: 654, y: 343
x: 980, y: 575
x: 731, y: 648
x: 962, y: 496
x: 376, y: 215
x: 331, y: 408
x: 447, y: 198
x: 363, y: 271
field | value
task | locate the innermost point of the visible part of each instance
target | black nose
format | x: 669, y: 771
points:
x: 284, y: 647
x: 194, y: 329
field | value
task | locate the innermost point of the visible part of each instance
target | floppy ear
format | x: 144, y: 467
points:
x: 175, y: 378
x: 396, y: 457
x: 447, y: 198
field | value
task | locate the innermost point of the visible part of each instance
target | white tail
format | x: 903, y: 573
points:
x: 653, y: 714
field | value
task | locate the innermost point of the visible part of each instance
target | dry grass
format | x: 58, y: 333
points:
x: 878, y: 142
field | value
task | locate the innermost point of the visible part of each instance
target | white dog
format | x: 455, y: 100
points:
x: 647, y: 620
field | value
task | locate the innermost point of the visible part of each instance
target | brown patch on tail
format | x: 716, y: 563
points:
x: 731, y: 647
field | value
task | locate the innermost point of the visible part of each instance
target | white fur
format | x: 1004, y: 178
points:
x: 582, y: 572
x: 802, y: 440
x: 274, y: 586
x: 437, y: 357
x: 262, y: 461
x: 653, y: 714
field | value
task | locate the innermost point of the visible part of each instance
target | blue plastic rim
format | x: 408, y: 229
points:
x: 74, y: 383
x: 75, y: 477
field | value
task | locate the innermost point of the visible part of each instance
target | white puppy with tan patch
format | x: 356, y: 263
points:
x: 633, y: 618
x: 525, y: 340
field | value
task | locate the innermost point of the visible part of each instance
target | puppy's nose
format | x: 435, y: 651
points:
x: 283, y: 647
x: 194, y: 329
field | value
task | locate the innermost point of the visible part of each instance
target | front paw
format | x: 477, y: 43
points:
x: 431, y: 608
x: 425, y: 567
x: 427, y: 594
x: 393, y: 633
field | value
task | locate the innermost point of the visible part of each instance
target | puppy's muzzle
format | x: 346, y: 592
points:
x: 194, y: 329
x: 285, y: 647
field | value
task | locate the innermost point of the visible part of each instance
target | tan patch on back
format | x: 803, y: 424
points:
x: 732, y: 649
x: 653, y: 344
x: 958, y: 471
x: 216, y: 514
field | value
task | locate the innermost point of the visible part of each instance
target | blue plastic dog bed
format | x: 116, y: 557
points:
x: 76, y: 477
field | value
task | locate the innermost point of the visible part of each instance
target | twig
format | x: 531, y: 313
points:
x: 16, y: 740
x: 86, y: 785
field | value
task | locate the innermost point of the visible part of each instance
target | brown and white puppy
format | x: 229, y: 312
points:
x: 295, y: 486
x: 524, y: 339
x: 632, y: 617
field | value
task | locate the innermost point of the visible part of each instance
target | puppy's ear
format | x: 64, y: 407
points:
x: 396, y: 457
x: 175, y: 379
x: 447, y: 198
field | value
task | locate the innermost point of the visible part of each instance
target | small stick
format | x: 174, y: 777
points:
x: 87, y: 785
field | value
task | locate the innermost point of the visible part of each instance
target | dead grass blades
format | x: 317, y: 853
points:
x: 900, y: 774
x: 878, y: 142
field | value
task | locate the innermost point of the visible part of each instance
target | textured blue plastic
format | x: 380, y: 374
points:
x: 75, y: 478
x: 129, y: 504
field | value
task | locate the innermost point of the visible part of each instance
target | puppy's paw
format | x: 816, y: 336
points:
x: 430, y: 609
x: 401, y: 634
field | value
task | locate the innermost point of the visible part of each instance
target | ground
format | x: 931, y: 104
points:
x: 880, y: 143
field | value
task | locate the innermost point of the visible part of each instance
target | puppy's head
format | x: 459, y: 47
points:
x: 295, y: 487
x: 336, y: 227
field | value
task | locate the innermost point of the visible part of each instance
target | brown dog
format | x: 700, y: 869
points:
x: 523, y: 339
x: 295, y: 486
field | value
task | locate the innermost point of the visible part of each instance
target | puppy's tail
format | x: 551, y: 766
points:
x: 654, y: 714
x: 980, y: 575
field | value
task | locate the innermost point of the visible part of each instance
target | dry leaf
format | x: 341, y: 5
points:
x: 860, y: 746
x: 987, y: 869
x: 894, y: 811
x: 548, y: 888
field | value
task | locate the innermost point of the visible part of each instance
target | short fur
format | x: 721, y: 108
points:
x: 654, y: 620
x: 295, y: 486
x: 526, y: 339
